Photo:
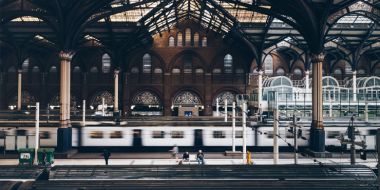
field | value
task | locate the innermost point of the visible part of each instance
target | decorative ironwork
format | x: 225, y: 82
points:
x: 108, y: 99
x: 26, y: 99
x: 146, y: 98
x: 230, y: 96
x: 187, y: 98
x: 55, y: 101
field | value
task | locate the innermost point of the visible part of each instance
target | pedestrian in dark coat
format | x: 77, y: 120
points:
x: 106, y: 155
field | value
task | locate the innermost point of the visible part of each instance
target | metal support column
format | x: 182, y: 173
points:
x: 317, y: 133
x: 19, y: 88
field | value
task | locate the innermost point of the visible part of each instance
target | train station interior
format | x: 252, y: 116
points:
x: 236, y: 77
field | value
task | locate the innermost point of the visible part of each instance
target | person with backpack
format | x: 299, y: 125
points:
x: 200, y: 158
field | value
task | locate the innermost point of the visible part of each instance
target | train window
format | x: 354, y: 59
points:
x: 116, y: 135
x: 2, y: 134
x: 177, y: 134
x: 158, y: 134
x: 96, y: 134
x: 333, y: 134
x: 239, y: 134
x: 44, y: 135
x: 270, y: 134
x: 372, y: 132
x: 219, y: 134
x: 21, y: 132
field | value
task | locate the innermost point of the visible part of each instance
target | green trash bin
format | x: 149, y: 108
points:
x: 26, y: 155
x: 49, y: 156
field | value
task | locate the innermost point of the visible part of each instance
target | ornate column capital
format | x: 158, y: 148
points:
x: 19, y: 71
x: 317, y: 58
x: 307, y: 72
x: 117, y: 71
x: 354, y: 72
x: 65, y: 56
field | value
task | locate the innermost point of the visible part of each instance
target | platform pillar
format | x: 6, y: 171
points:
x: 19, y: 88
x: 116, y: 91
x: 68, y: 91
x: 317, y: 133
x: 64, y: 130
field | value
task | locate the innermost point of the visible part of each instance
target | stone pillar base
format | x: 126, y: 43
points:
x: 317, y: 139
x: 64, y: 139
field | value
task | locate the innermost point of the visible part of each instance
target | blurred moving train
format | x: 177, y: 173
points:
x: 207, y: 137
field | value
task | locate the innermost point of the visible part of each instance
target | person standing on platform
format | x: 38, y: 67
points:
x: 200, y: 158
x: 175, y: 152
x: 106, y: 155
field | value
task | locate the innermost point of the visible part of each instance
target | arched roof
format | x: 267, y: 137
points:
x: 277, y: 81
x: 132, y: 23
x: 328, y: 81
x: 365, y: 82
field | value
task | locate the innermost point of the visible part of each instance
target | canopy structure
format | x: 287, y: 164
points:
x: 128, y: 24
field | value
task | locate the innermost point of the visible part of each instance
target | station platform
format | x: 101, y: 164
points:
x: 212, y: 158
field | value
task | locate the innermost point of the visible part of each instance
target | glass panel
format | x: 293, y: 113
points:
x: 188, y: 37
x: 196, y: 39
x: 25, y: 66
x: 204, y: 42
x: 147, y: 63
x: 188, y: 65
x: 179, y: 39
x: 106, y: 63
x: 228, y: 63
x: 268, y: 65
x: 171, y: 41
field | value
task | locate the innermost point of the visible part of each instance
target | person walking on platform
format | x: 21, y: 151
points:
x: 186, y: 156
x: 200, y: 158
x: 174, y: 152
x: 106, y: 155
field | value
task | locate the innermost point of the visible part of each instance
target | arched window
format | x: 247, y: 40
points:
x: 53, y: 69
x: 347, y: 68
x: 25, y: 66
x: 338, y: 71
x: 187, y: 64
x: 147, y: 63
x: 268, y: 65
x: 179, y: 39
x: 176, y: 71
x: 36, y: 69
x: 188, y: 37
x: 297, y: 72
x: 76, y: 69
x: 157, y: 70
x: 199, y: 71
x: 280, y: 72
x: 196, y: 39
x: 361, y: 72
x: 106, y: 63
x: 228, y: 63
x: 171, y: 41
x: 204, y: 41
x: 135, y: 70
x: 94, y: 69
